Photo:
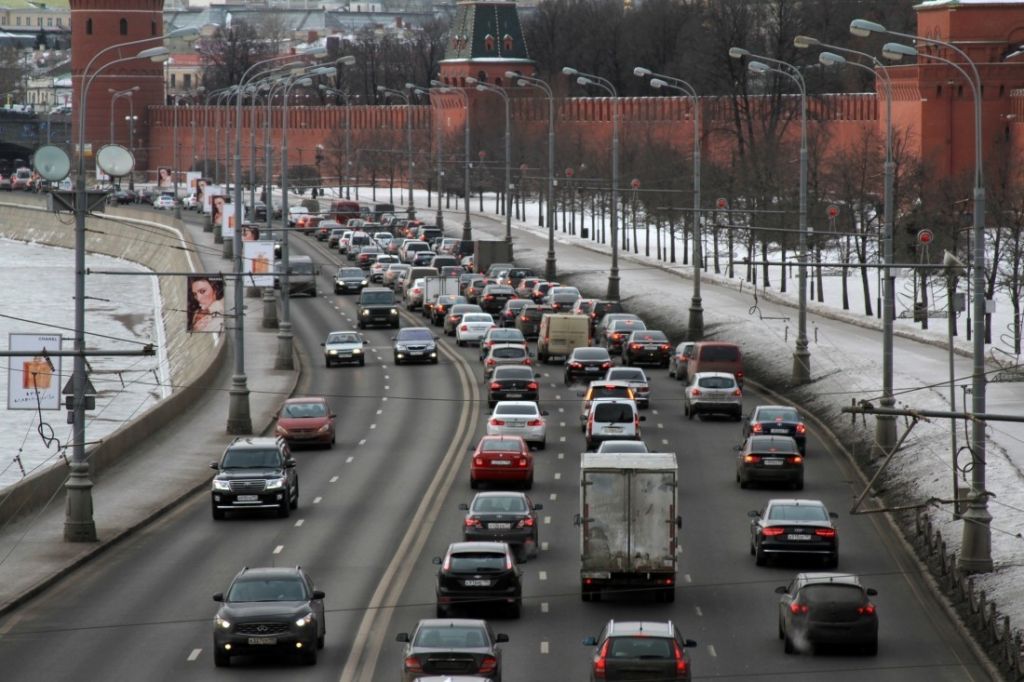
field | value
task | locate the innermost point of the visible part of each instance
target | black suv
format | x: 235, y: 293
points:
x: 640, y: 651
x: 377, y: 306
x: 255, y: 473
x: 269, y: 610
x: 475, y: 573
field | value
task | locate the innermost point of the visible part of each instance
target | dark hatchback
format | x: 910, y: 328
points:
x: 451, y: 648
x: 827, y: 608
x: 255, y: 473
x: 637, y: 651
x: 494, y: 297
x: 512, y: 382
x: 770, y: 459
x: 794, y: 528
x: 442, y: 304
x: 269, y: 610
x: 649, y: 346
x: 777, y: 420
x: 507, y: 316
x: 454, y: 316
x: 349, y: 281
x: 528, y: 321
x: 475, y: 574
x: 586, y: 362
x: 503, y: 517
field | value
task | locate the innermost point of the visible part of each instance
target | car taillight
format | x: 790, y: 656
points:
x: 491, y: 361
x: 497, y: 422
x: 664, y: 346
x: 532, y: 386
x: 795, y: 459
x: 601, y: 662
x: 488, y: 664
x: 752, y: 459
x: 495, y: 386
x: 756, y: 428
x: 798, y: 608
x: 527, y: 361
x: 473, y: 523
x: 680, y: 660
x: 801, y: 428
x: 524, y: 318
x: 523, y: 462
x: 489, y: 297
x: 866, y: 610
x: 605, y: 365
x: 636, y: 346
x: 738, y: 393
x: 739, y: 375
x: 593, y: 315
x: 616, y: 335
x: 464, y: 328
x: 773, y: 531
x: 535, y: 422
x: 825, y: 532
x: 525, y: 523
x: 694, y: 392
x: 454, y: 318
x: 412, y: 665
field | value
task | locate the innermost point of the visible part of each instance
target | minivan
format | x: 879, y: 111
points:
x: 301, y: 276
x: 612, y: 419
x: 716, y: 356
x: 560, y: 333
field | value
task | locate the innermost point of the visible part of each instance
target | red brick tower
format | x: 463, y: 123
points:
x: 95, y: 25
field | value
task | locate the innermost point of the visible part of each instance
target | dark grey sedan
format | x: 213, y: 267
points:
x: 451, y: 646
x: 794, y: 528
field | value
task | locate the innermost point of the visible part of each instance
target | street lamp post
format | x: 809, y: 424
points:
x: 801, y: 355
x: 550, y: 266
x: 114, y: 96
x: 603, y: 83
x: 439, y: 216
x: 467, y: 228
x: 885, y: 425
x: 131, y: 118
x: 348, y: 139
x: 174, y: 156
x: 695, y: 326
x: 487, y: 87
x: 976, y: 550
x: 408, y: 138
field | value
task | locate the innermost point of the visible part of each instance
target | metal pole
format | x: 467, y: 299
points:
x: 269, y: 299
x: 550, y: 265
x: 408, y: 142
x: 174, y: 156
x: 131, y: 140
x: 252, y: 153
x: 951, y: 332
x: 348, y: 149
x: 439, y: 219
x: 284, y: 327
x: 802, y: 356
x: 508, y: 168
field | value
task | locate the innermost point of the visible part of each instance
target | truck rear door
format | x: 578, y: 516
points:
x: 605, y: 523
x: 652, y: 512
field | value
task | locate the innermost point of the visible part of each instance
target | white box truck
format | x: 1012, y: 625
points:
x: 438, y: 286
x: 629, y: 524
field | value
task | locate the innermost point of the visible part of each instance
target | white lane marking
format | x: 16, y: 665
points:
x: 373, y: 426
x: 386, y: 376
x: 561, y: 455
x: 547, y: 520
x: 543, y: 575
x: 387, y: 388
x: 544, y: 546
x: 697, y: 609
x: 558, y: 475
x: 362, y: 441
x: 195, y: 654
x: 298, y: 524
x: 654, y: 412
x: 544, y: 647
x: 660, y: 425
x: 380, y: 411
x: 543, y: 607
x: 383, y: 366
x: 316, y: 500
x: 557, y: 397
x: 277, y: 550
x: 334, y: 479
x: 561, y: 439
x: 561, y: 425
x: 561, y: 409
x: 554, y: 496
x: 711, y: 650
x: 384, y: 399
x: 348, y: 460
x: 687, y: 578
x: 554, y: 385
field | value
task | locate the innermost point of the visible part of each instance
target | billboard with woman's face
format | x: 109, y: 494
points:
x: 164, y: 178
x: 209, y: 191
x: 258, y: 259
x: 205, y: 304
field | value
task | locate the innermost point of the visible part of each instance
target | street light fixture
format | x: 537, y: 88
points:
x: 408, y: 138
x: 425, y: 92
x: 695, y: 326
x: 585, y: 79
x: 550, y: 266
x: 801, y: 355
x: 467, y: 228
x: 348, y: 137
x: 487, y: 87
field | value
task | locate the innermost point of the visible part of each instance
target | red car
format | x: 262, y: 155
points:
x: 501, y: 459
x: 306, y: 420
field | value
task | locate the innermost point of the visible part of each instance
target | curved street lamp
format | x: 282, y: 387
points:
x: 487, y: 87
x: 389, y: 92
x: 467, y: 228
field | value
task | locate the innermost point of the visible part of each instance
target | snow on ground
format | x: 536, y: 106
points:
x: 120, y: 310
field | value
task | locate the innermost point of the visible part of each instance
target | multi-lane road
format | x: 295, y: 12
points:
x: 383, y: 501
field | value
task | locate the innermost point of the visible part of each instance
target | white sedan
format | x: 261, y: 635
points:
x: 519, y: 418
x: 473, y: 328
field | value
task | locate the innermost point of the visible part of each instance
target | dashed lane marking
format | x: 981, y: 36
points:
x: 362, y: 441
x: 561, y: 424
x: 277, y: 550
x: 543, y: 575
x: 348, y: 460
x: 660, y: 425
x: 664, y: 441
x: 334, y: 479
x: 298, y: 524
x: 561, y: 455
x: 558, y: 475
x: 195, y: 654
x: 687, y: 578
x: 554, y: 496
x: 697, y: 609
x: 544, y: 647
x: 654, y: 412
x: 387, y: 376
x: 543, y: 607
x: 380, y: 411
x: 561, y: 409
x: 547, y: 520
x: 561, y: 439
x: 316, y: 500
x: 711, y: 650
x: 387, y: 388
x: 544, y: 546
x: 384, y: 399
x: 557, y: 397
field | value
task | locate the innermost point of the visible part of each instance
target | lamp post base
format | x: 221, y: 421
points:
x: 976, y: 547
x: 885, y: 432
x: 218, y: 238
x: 207, y: 223
x: 239, y: 419
x: 613, y: 287
x: 695, y: 326
x: 439, y: 218
x: 269, y: 309
x: 79, y: 525
x: 801, y: 367
x: 550, y: 267
x: 467, y: 232
x: 228, y: 252
x: 284, y: 347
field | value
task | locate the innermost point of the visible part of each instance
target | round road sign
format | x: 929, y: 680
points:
x: 833, y: 211
x: 635, y: 183
x: 569, y: 172
x: 721, y: 203
x: 925, y: 236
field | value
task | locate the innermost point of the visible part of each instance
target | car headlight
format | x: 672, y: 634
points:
x: 221, y: 485
x: 324, y: 429
x: 332, y: 351
x: 305, y: 620
x: 365, y: 313
x: 281, y: 430
x: 275, y: 483
x: 394, y: 311
x: 365, y: 282
x: 357, y: 351
x: 220, y: 622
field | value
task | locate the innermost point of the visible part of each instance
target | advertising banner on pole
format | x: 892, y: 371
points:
x: 208, y: 196
x: 205, y: 304
x: 258, y: 260
x: 229, y: 219
x: 33, y: 381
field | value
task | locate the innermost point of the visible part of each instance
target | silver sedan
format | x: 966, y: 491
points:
x: 519, y: 418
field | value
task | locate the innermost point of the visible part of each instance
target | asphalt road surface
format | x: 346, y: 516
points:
x: 382, y: 502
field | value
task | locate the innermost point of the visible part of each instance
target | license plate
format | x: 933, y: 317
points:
x: 800, y: 536
x: 500, y: 526
x: 613, y: 429
x: 516, y: 423
x: 513, y: 395
x: 247, y: 498
x: 416, y: 352
x: 773, y: 462
x: 783, y: 431
x: 262, y: 641
x: 500, y: 462
x: 593, y: 369
x: 476, y: 583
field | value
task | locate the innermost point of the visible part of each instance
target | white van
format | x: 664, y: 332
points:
x: 612, y: 419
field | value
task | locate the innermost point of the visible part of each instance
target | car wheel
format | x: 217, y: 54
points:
x: 690, y: 412
x: 737, y: 417
x: 787, y: 645
x: 394, y: 325
x: 798, y: 485
x: 542, y: 445
x: 221, y: 659
x: 294, y: 504
x: 751, y: 549
x: 285, y: 510
x: 361, y: 325
x: 491, y: 403
x: 321, y: 640
x: 327, y: 363
x: 671, y: 373
x: 832, y: 562
x: 782, y: 635
x: 434, y: 361
x: 529, y: 483
x: 625, y: 361
x: 218, y: 514
x: 397, y: 361
x: 668, y: 595
x: 759, y: 557
x: 441, y: 611
x: 309, y: 658
x: 743, y: 484
x: 459, y: 342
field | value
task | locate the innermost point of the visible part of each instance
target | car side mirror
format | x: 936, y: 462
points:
x: 436, y: 561
x: 833, y: 515
x: 218, y: 597
x: 781, y: 589
x: 500, y: 637
x: 214, y: 465
x: 393, y: 338
x: 753, y: 514
x: 437, y: 338
x: 544, y: 413
x: 463, y: 506
x: 332, y: 416
x: 538, y: 507
x: 318, y: 594
x: 872, y: 592
x: 643, y: 418
x: 537, y: 376
x: 323, y: 344
x: 689, y: 643
x: 402, y: 637
x: 365, y: 342
x: 577, y: 520
x: 289, y: 463
x: 590, y: 641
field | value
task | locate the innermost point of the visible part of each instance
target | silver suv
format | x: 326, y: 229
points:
x: 713, y: 393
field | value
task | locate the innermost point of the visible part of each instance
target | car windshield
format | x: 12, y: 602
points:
x: 533, y: 312
x: 716, y: 382
x: 499, y: 503
x: 622, y: 446
x: 650, y: 337
x: 611, y: 392
x: 377, y: 297
x: 470, y: 562
x: 350, y: 272
x: 269, y: 589
x: 304, y: 410
x: 500, y: 445
x: 525, y: 410
x: 515, y: 303
x: 627, y: 325
x: 641, y: 647
x: 513, y: 373
x: 590, y: 354
x: 780, y: 444
x: 508, y: 353
x: 770, y: 414
x: 616, y: 413
x: 627, y: 374
x: 455, y: 637
x: 833, y: 593
x: 302, y: 267
x: 501, y: 335
x: 251, y: 459
x: 347, y: 337
x: 415, y: 334
x: 797, y: 512
x: 605, y: 307
x: 478, y: 317
x: 720, y: 353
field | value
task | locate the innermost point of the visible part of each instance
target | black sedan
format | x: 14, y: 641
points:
x: 512, y: 382
x: 794, y: 528
x: 454, y: 316
x: 777, y: 420
x: 503, y: 517
x: 479, y: 574
x: 586, y: 362
x: 649, y: 346
x: 415, y: 344
x: 529, y: 318
x: 508, y: 314
x: 442, y: 304
x: 770, y: 459
x: 349, y: 281
x: 827, y: 608
x: 494, y: 296
x: 451, y: 647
